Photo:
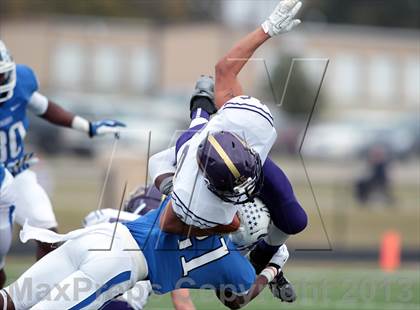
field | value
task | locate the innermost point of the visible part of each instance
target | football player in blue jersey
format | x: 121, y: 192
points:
x: 18, y: 94
x: 100, y: 262
x: 140, y: 202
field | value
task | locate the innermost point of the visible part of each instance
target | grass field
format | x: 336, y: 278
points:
x: 319, y: 287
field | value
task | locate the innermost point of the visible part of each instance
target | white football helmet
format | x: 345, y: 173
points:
x: 255, y: 219
x: 7, y: 73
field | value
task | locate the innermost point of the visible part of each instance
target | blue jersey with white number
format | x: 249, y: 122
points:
x: 13, y: 120
x: 175, y: 261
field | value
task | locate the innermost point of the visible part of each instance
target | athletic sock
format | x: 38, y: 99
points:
x: 203, y: 103
x: 199, y: 117
x: 200, y: 113
x: 261, y: 255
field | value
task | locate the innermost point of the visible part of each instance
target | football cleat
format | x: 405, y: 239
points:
x: 282, y: 289
x: 204, y: 88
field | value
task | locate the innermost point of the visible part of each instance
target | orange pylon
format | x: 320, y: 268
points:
x: 390, y: 252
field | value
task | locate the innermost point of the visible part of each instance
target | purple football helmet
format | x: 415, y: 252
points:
x: 232, y: 170
x: 143, y: 200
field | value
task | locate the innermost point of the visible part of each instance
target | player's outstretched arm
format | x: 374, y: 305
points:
x: 55, y: 114
x: 233, y: 301
x: 227, y: 69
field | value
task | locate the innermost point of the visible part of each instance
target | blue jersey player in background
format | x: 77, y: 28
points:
x: 18, y: 94
x: 128, y: 253
x: 7, y: 200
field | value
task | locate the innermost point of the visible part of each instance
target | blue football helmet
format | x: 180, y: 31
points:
x: 232, y: 170
x: 7, y: 74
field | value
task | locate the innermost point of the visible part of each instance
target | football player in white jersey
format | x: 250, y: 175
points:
x: 18, y: 94
x: 222, y: 162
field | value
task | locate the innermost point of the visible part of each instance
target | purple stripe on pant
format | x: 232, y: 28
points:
x: 277, y: 194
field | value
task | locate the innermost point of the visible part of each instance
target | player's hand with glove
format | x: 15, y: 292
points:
x: 282, y: 19
x: 24, y: 163
x: 104, y: 127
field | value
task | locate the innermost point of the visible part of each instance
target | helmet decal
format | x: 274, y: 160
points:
x: 224, y: 156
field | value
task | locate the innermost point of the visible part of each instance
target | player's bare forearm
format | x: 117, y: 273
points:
x: 281, y: 20
x: 170, y: 223
x: 181, y: 299
x: 227, y: 69
x: 61, y: 117
x: 238, y: 56
x: 57, y: 115
x: 233, y: 301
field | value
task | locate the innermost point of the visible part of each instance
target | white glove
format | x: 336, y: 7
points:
x: 281, y: 20
x: 280, y: 257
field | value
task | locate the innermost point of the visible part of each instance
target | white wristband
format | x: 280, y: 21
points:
x: 270, y: 273
x: 265, y: 27
x: 80, y: 124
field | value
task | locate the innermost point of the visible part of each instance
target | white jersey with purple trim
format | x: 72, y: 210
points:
x: 191, y: 200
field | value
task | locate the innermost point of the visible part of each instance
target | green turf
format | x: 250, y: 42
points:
x: 319, y: 287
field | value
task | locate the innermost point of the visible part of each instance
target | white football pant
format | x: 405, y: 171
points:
x: 7, y: 198
x: 82, y: 273
x: 32, y: 202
